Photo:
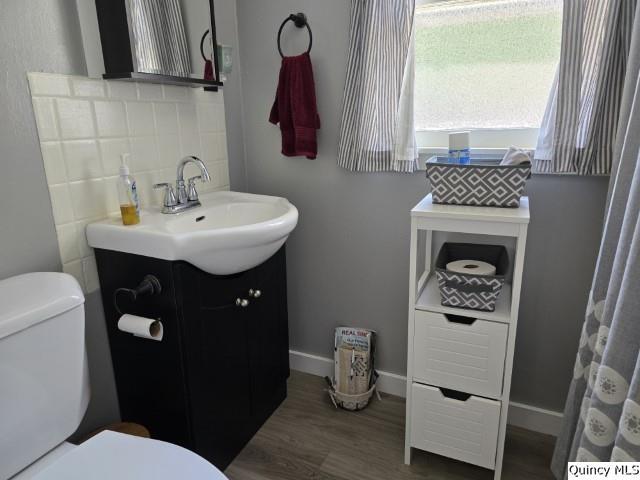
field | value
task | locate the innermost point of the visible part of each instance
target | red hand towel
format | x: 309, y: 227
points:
x: 295, y: 107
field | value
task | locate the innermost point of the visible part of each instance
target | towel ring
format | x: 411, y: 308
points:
x: 204, y: 57
x: 299, y: 20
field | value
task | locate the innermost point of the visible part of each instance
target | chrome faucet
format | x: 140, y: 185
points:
x: 185, y: 196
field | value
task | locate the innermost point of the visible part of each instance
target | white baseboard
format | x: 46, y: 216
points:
x: 535, y: 418
x: 520, y: 414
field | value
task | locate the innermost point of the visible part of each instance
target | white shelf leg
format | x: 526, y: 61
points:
x: 413, y: 280
x: 511, y: 342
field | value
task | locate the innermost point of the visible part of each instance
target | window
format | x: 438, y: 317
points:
x: 486, y: 66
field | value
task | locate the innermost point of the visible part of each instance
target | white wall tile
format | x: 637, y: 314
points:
x: 82, y: 159
x: 140, y: 118
x: 110, y: 151
x: 145, y: 181
x: 149, y: 91
x: 53, y: 160
x: 122, y: 90
x: 223, y: 177
x: 75, y: 117
x: 187, y: 117
x: 166, y: 117
x: 144, y: 154
x: 89, y: 199
x: 90, y: 273
x: 111, y: 192
x: 48, y: 84
x: 168, y: 150
x: 220, y: 118
x: 207, y: 117
x: 188, y: 124
x: 199, y: 95
x: 177, y: 94
x: 75, y: 270
x: 190, y: 144
x: 68, y: 242
x: 210, y: 150
x: 158, y: 125
x: 222, y: 147
x: 45, y: 118
x: 87, y: 87
x: 111, y: 118
x: 61, y: 203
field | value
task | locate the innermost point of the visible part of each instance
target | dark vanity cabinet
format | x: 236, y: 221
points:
x: 221, y: 367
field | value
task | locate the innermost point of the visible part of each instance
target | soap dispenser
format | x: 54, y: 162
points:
x: 128, y: 194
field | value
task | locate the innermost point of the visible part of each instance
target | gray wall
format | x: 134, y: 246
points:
x: 41, y: 35
x: 348, y: 257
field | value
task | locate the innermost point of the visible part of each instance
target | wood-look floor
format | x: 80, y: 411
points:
x: 307, y: 438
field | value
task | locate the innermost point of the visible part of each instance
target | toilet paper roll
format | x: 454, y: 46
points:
x: 141, y: 326
x: 474, y: 267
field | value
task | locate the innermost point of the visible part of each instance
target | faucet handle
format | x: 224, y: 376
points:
x: 169, y: 195
x: 192, y: 194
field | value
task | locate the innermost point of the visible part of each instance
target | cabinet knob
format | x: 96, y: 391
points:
x: 254, y: 293
x: 242, y: 302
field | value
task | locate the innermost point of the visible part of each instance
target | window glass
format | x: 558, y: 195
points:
x: 484, y: 64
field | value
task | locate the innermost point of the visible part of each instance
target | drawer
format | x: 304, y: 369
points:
x: 450, y: 353
x: 464, y: 429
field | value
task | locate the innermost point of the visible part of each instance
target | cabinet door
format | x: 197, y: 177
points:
x: 149, y: 375
x: 268, y: 336
x: 217, y: 358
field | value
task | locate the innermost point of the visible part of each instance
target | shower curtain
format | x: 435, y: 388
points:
x: 602, y: 413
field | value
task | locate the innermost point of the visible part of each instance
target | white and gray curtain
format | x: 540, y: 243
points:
x: 377, y: 129
x: 580, y: 123
x: 602, y: 413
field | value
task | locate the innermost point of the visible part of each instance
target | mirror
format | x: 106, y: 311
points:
x: 166, y: 36
x: 163, y: 41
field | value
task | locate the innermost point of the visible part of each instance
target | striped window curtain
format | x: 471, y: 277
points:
x: 377, y: 130
x: 580, y: 123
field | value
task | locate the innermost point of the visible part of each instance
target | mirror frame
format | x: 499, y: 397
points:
x: 118, y: 50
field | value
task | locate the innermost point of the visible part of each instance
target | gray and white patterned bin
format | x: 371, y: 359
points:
x: 483, y: 182
x: 464, y: 290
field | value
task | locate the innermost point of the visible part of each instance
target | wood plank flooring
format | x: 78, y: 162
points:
x: 307, y: 438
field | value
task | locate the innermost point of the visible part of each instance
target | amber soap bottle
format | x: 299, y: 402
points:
x: 128, y: 194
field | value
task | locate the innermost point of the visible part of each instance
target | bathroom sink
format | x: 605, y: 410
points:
x: 231, y: 232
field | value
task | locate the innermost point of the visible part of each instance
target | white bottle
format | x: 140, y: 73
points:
x: 128, y: 194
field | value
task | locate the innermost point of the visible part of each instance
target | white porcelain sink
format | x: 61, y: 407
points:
x: 231, y: 232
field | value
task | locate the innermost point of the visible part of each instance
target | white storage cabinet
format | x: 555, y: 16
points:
x: 459, y: 360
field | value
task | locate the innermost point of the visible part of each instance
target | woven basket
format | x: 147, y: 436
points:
x: 484, y: 182
x: 464, y: 290
x: 352, y: 402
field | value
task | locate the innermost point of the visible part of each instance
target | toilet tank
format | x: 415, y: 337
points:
x: 44, y: 380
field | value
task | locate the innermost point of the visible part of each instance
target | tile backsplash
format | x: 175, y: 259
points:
x: 84, y: 125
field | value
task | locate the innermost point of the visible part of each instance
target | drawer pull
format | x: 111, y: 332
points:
x: 254, y: 293
x: 454, y: 394
x: 460, y: 319
x: 242, y: 302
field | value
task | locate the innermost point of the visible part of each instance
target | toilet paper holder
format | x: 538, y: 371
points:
x: 150, y: 285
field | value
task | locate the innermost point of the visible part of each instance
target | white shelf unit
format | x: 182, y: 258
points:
x: 460, y: 361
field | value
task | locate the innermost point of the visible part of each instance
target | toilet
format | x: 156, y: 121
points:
x: 44, y: 393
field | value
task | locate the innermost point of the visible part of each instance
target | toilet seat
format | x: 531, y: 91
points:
x: 110, y: 455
